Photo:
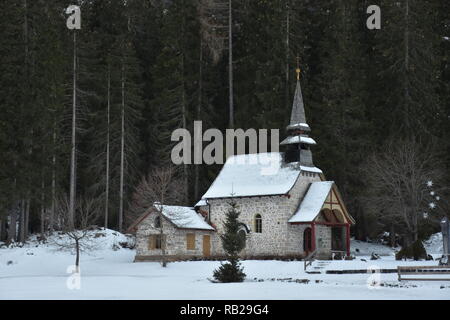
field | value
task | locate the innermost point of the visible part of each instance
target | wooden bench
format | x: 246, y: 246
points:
x: 423, y: 271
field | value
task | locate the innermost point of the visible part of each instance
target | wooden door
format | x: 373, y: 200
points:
x: 307, y: 241
x: 206, y: 245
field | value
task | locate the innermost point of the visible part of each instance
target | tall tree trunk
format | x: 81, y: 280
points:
x: 198, y: 116
x: 230, y: 63
x: 22, y: 221
x: 406, y: 70
x: 42, y: 219
x: 392, y: 236
x: 107, y: 150
x: 2, y: 229
x: 122, y: 150
x: 74, y: 123
x: 51, y: 219
x: 183, y: 104
x: 77, y: 259
x: 12, y: 227
x: 23, y: 212
x: 27, y: 218
x: 287, y: 95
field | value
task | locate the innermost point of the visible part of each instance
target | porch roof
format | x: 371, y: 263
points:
x: 312, y: 202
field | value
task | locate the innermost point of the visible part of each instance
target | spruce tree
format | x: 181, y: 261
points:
x: 232, y: 243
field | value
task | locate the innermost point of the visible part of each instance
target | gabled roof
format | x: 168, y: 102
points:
x: 259, y: 174
x: 180, y: 217
x: 312, y: 202
x: 185, y: 218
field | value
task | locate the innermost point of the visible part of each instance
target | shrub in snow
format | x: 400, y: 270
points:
x: 129, y: 244
x: 374, y: 256
x: 230, y: 271
x: 232, y: 243
x: 337, y: 256
x: 415, y: 251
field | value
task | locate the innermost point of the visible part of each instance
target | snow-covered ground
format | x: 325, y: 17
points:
x: 40, y: 272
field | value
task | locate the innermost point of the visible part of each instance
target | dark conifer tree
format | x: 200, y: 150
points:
x: 232, y: 243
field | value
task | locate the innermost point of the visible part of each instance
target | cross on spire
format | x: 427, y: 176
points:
x: 298, y: 68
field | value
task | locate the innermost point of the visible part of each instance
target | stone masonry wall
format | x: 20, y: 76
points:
x: 278, y: 237
x: 323, y: 241
x: 175, y: 239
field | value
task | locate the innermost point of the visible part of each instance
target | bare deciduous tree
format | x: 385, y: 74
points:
x: 78, y: 229
x: 161, y: 186
x: 399, y: 182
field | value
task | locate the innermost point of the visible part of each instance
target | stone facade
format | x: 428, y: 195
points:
x: 278, y: 237
x: 176, y: 240
x: 323, y: 241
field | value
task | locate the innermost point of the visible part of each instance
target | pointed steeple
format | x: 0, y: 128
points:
x: 298, y: 119
x: 298, y: 141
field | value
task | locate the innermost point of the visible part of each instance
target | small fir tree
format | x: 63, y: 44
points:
x: 232, y: 243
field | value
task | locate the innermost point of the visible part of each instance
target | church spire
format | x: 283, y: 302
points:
x: 298, y: 119
x: 298, y: 142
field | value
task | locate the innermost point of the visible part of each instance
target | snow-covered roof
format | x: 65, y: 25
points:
x: 298, y: 139
x: 301, y: 126
x: 201, y: 203
x: 310, y: 169
x: 254, y: 175
x: 312, y: 202
x: 184, y: 217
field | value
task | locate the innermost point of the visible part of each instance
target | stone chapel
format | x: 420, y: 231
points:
x: 290, y: 212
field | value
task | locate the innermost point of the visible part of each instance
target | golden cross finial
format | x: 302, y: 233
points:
x: 298, y: 68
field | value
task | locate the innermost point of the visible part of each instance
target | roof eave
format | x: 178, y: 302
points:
x: 249, y: 196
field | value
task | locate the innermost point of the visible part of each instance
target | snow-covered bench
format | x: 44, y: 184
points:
x: 424, y: 271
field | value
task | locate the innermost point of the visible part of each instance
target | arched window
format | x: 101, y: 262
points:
x: 157, y: 222
x: 258, y: 223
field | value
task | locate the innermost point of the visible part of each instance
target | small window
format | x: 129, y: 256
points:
x: 190, y: 241
x: 157, y: 222
x: 155, y: 242
x: 158, y: 242
x: 258, y: 223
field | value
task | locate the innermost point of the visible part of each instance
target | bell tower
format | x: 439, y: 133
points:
x: 298, y: 142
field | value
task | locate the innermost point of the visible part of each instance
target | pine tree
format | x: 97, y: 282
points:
x: 232, y: 243
x: 339, y: 111
x: 407, y: 68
